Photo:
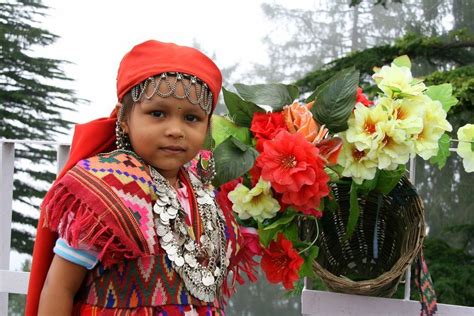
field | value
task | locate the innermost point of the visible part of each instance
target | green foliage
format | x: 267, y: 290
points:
x: 443, y: 152
x: 462, y: 82
x: 233, y: 158
x: 222, y: 128
x: 452, y: 271
x: 354, y: 210
x: 30, y: 107
x: 335, y: 99
x: 442, y: 93
x: 240, y: 111
x: 452, y: 49
x: 275, y: 95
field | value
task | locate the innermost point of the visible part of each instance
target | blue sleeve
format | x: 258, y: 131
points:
x: 85, y: 258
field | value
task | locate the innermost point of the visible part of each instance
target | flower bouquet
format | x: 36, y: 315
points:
x: 298, y: 172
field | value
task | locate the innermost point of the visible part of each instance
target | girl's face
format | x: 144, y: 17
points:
x: 166, y: 132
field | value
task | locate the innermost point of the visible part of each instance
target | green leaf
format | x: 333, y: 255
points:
x: 275, y: 95
x: 443, y: 151
x: 402, y: 61
x: 388, y: 179
x: 240, y: 111
x: 223, y: 128
x: 354, y: 211
x: 335, y: 99
x: 209, y: 142
x: 369, y: 185
x: 233, y: 158
x: 444, y: 94
x: 309, y: 257
x: 266, y: 236
x: 285, y: 219
x: 291, y: 232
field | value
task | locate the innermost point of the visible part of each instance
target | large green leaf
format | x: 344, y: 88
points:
x: 444, y: 94
x: 285, y: 219
x: 335, y: 99
x: 402, y: 61
x: 443, y: 151
x: 354, y: 211
x: 266, y: 236
x: 240, y: 111
x: 233, y: 158
x: 275, y: 95
x: 388, y: 179
x: 222, y: 128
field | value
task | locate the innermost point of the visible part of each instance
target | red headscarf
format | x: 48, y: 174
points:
x: 144, y: 60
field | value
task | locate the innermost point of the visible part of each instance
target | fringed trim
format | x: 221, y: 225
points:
x: 80, y: 225
x: 243, y: 262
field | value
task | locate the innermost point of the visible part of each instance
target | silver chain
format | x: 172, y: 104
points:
x: 204, y: 97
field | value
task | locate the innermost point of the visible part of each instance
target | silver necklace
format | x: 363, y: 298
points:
x: 201, y: 265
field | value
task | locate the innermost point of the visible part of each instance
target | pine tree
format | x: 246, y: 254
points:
x: 30, y: 106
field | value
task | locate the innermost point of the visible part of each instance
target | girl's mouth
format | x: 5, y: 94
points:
x: 173, y: 149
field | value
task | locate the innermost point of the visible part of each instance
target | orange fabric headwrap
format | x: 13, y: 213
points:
x: 144, y: 60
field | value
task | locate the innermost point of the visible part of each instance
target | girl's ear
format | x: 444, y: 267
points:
x: 123, y: 123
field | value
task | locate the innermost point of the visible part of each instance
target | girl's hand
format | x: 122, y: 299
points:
x: 62, y: 283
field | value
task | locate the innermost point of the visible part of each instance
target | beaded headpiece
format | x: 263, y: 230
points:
x: 202, y: 95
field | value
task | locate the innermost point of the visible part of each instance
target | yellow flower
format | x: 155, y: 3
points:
x: 364, y: 126
x: 466, y: 146
x: 394, y: 80
x: 434, y: 126
x: 390, y: 151
x: 357, y: 164
x: 257, y: 202
x: 407, y: 115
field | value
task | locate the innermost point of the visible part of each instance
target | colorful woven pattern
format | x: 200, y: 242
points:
x: 146, y: 281
x: 425, y: 285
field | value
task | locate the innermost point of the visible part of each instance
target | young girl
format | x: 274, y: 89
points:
x: 132, y: 220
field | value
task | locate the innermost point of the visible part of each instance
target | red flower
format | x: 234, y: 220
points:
x: 295, y: 169
x: 267, y: 125
x: 255, y: 174
x: 281, y: 262
x: 221, y: 196
x: 362, y: 98
x: 313, y: 212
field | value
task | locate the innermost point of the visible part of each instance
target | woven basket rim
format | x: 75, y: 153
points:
x: 390, y: 278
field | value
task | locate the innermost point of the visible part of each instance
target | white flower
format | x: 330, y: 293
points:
x: 465, y: 147
x: 394, y: 81
x: 434, y: 126
x: 257, y: 202
x: 357, y: 164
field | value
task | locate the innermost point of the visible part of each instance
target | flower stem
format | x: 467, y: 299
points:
x: 316, y: 238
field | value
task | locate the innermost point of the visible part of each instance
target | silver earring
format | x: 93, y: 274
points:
x: 122, y: 141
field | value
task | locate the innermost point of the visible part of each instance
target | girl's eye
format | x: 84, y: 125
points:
x: 157, y: 114
x: 191, y: 118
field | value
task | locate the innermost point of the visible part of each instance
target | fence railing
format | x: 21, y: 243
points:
x: 313, y: 302
x: 14, y: 281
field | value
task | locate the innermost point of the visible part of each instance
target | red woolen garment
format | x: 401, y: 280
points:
x: 144, y: 60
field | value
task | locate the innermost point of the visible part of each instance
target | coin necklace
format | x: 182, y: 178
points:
x: 201, y: 265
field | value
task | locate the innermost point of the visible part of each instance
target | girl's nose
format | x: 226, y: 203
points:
x: 175, y: 131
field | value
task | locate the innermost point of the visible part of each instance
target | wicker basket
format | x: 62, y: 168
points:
x: 391, y: 224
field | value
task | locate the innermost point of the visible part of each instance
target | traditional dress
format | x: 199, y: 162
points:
x: 122, y: 221
x: 104, y: 208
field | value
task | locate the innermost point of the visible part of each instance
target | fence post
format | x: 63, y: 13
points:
x: 7, y: 156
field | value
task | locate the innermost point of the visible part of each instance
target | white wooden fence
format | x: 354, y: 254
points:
x: 14, y: 281
x: 313, y: 302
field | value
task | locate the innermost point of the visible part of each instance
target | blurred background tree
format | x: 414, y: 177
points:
x: 31, y: 108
